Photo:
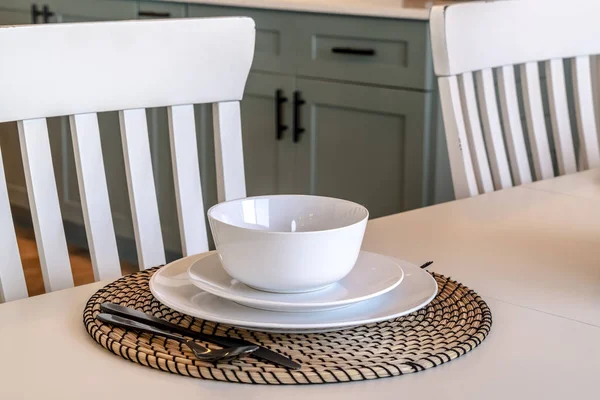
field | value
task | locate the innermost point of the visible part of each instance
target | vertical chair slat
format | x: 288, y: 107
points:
x: 43, y: 201
x: 461, y: 165
x: 142, y: 191
x: 584, y: 108
x: 186, y: 176
x: 536, y: 125
x: 511, y: 119
x: 12, y: 279
x: 91, y: 177
x: 559, y: 111
x: 492, y: 129
x: 229, y: 158
x: 474, y: 134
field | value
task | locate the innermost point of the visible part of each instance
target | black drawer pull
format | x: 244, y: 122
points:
x: 47, y: 14
x: 35, y: 13
x: 280, y: 127
x: 154, y: 14
x: 298, y: 103
x: 353, y: 51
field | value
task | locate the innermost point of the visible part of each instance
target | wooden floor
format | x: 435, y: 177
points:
x: 81, y: 264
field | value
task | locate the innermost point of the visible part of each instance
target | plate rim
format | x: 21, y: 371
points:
x: 291, y: 326
x: 207, y: 287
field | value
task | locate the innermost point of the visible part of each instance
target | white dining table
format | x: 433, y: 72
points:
x: 532, y: 252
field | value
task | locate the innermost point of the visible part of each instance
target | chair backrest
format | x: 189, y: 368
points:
x: 124, y: 66
x: 480, y: 50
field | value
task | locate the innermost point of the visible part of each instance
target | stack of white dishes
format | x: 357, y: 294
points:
x: 291, y: 263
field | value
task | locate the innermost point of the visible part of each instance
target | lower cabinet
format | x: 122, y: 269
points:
x: 361, y: 143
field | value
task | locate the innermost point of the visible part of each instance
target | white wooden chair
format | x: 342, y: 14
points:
x: 477, y: 46
x: 46, y: 71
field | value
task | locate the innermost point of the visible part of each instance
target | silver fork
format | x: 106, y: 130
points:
x: 201, y: 352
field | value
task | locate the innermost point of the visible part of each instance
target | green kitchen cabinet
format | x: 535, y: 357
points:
x: 363, y: 144
x: 370, y: 120
x: 359, y: 142
x: 367, y: 115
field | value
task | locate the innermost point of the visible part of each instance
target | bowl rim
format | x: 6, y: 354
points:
x: 211, y: 217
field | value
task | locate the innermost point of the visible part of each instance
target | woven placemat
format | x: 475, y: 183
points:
x: 454, y: 323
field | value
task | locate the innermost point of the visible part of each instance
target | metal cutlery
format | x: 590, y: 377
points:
x: 427, y: 264
x: 262, y: 353
x: 201, y: 352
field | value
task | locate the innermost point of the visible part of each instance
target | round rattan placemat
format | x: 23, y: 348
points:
x: 454, y: 323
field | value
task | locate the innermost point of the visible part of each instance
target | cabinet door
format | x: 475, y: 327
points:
x: 267, y: 161
x: 363, y: 144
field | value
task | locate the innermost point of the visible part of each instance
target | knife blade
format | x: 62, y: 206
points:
x: 262, y: 353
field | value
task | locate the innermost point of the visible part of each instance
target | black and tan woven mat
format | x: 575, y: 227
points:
x: 454, y: 323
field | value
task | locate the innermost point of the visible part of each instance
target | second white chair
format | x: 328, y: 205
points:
x: 477, y: 48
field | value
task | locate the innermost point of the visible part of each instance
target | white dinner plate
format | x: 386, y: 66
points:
x: 171, y: 286
x: 372, y: 275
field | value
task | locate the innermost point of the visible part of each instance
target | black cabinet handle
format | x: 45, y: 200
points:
x: 280, y: 127
x: 154, y: 14
x: 298, y: 102
x: 353, y: 51
x: 47, y: 14
x: 44, y: 12
x: 35, y: 13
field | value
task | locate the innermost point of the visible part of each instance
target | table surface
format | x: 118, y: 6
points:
x: 532, y: 252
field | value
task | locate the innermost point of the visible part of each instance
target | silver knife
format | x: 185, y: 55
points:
x: 262, y: 353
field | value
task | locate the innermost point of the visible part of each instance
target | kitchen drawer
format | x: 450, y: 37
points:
x: 366, y: 50
x: 274, y: 50
x: 101, y: 10
x: 158, y: 10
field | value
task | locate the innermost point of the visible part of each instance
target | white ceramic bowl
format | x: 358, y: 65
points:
x: 288, y: 243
